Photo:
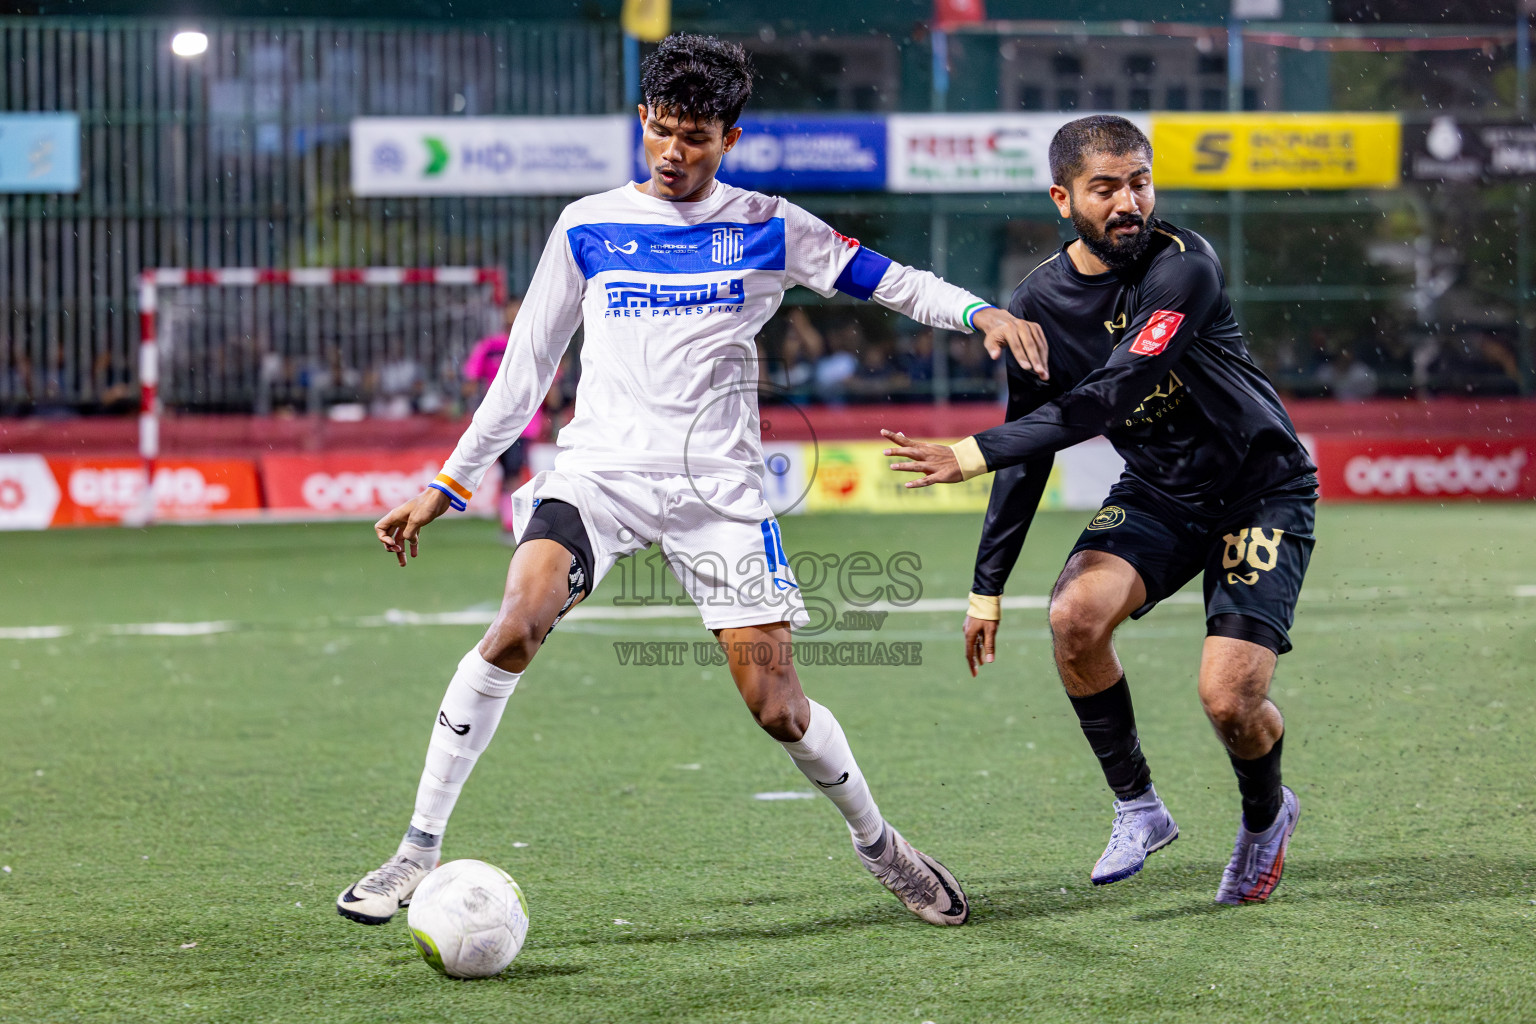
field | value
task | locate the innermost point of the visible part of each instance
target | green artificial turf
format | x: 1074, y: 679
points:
x: 160, y: 791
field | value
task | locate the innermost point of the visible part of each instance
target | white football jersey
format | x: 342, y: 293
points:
x: 673, y: 296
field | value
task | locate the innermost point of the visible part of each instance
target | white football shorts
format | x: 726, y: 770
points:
x: 719, y: 538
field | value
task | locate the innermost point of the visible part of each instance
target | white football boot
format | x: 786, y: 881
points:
x: 375, y: 897
x: 921, y: 883
x: 1142, y: 826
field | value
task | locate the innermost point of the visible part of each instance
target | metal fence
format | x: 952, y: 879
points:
x: 240, y: 158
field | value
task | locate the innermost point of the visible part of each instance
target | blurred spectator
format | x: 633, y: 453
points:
x: 113, y: 397
x: 16, y: 382
x: 841, y: 361
x: 1353, y: 378
x: 915, y: 358
x: 972, y: 373
x: 339, y: 383
x: 876, y: 377
x: 1470, y: 360
x: 396, y: 384
x: 52, y: 400
x: 801, y: 348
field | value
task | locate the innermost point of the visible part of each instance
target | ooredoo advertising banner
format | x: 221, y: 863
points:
x: 357, y: 483
x: 37, y: 492
x: 1443, y: 469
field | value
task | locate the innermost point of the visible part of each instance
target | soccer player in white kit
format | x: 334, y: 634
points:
x: 673, y: 278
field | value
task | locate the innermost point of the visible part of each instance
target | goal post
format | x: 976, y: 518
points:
x: 252, y: 337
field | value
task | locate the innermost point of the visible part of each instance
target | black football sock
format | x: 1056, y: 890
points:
x: 1110, y: 725
x: 1258, y: 782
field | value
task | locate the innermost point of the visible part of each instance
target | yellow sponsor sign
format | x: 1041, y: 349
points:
x: 647, y: 20
x: 1258, y: 151
x: 856, y: 477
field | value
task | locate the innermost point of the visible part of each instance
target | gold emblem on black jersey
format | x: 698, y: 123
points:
x: 1109, y: 517
x: 1115, y: 325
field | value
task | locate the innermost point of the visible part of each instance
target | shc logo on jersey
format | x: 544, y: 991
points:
x: 1157, y: 334
x: 727, y: 246
x: 650, y: 295
x: 682, y: 249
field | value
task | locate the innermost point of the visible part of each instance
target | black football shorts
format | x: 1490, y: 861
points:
x: 1254, y: 555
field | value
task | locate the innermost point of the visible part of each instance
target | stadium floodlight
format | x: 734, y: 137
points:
x: 189, y: 44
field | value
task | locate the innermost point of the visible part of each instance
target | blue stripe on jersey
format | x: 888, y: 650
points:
x: 677, y: 248
x: 862, y: 275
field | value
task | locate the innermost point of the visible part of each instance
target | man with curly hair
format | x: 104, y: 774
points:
x: 672, y: 277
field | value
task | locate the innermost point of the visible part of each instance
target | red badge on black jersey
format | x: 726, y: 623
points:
x: 1159, y: 331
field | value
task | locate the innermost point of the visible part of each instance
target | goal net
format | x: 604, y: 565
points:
x: 340, y: 343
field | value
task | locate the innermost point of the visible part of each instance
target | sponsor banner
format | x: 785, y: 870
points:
x: 95, y: 491
x: 855, y: 477
x: 1279, y: 151
x: 363, y: 483
x: 803, y: 154
x: 39, y: 152
x: 458, y: 156
x: 1438, y: 469
x: 29, y: 494
x: 1448, y: 150
x: 974, y: 152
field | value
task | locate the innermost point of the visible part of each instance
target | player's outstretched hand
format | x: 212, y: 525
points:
x: 1024, y: 339
x: 401, y: 528
x: 936, y: 462
x: 980, y: 642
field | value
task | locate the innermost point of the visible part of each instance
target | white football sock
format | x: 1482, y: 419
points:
x: 824, y: 756
x: 466, y: 721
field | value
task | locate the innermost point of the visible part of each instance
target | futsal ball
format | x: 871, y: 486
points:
x: 469, y: 919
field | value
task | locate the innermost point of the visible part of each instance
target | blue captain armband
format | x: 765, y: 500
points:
x: 861, y: 276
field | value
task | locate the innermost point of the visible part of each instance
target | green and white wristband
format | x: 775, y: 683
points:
x: 969, y: 316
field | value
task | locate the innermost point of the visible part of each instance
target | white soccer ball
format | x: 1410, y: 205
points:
x: 469, y: 919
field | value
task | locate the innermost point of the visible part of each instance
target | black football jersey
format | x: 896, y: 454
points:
x: 1150, y: 357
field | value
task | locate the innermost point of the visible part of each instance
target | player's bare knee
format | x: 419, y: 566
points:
x: 1230, y: 708
x: 778, y: 706
x: 511, y: 642
x: 1079, y: 630
x: 780, y: 719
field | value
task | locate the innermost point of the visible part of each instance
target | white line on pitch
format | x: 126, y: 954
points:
x: 481, y: 617
x: 171, y: 628
x: 33, y: 632
x: 1525, y: 590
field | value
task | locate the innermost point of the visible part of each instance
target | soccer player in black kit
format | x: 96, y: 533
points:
x: 1145, y: 351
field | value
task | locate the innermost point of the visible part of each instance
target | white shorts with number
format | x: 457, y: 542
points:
x: 719, y: 538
